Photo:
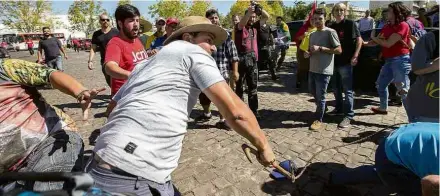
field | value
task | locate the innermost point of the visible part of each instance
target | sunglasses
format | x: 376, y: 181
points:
x: 105, y: 20
x: 160, y: 23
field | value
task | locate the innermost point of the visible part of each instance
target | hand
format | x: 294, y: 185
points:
x: 314, y: 48
x: 65, y: 56
x: 430, y: 185
x: 91, y: 65
x: 306, y: 55
x: 266, y: 156
x: 40, y: 61
x: 86, y: 101
x: 251, y: 9
x: 354, y: 61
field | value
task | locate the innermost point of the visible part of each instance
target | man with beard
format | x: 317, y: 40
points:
x: 246, y: 43
x: 226, y: 58
x: 125, y: 50
x: 155, y: 42
x: 140, y: 145
x: 51, y: 47
x: 100, y: 38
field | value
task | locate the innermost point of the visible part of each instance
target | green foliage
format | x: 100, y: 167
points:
x: 199, y: 8
x: 124, y: 2
x: 298, y: 12
x: 26, y: 16
x: 351, y: 14
x: 83, y: 15
x: 168, y: 8
x: 376, y: 14
x: 273, y: 8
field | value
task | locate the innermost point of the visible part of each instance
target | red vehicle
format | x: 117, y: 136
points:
x: 87, y: 44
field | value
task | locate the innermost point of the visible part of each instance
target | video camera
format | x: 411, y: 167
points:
x: 257, y: 8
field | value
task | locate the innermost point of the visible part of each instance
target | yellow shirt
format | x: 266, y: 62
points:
x: 305, y: 42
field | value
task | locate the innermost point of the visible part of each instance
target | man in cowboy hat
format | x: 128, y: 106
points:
x: 140, y: 145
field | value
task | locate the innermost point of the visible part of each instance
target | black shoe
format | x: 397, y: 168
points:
x: 334, y: 113
x: 395, y: 103
x: 274, y: 77
x: 203, y: 118
x: 222, y: 125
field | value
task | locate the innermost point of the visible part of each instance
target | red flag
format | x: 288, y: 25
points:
x: 306, y: 25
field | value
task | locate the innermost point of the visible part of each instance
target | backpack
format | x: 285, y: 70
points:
x: 416, y: 28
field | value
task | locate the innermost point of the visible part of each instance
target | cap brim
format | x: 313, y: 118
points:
x: 219, y: 33
x: 147, y: 25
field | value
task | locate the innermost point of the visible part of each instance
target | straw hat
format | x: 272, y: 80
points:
x: 193, y: 24
x: 146, y: 25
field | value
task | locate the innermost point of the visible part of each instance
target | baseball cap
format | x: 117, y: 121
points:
x: 160, y: 19
x: 172, y: 21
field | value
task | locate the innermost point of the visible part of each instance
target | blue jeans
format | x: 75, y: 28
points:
x: 318, y: 84
x: 344, y: 84
x: 60, y: 152
x: 56, y: 63
x: 396, y: 70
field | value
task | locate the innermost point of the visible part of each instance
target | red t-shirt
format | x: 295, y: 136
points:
x: 398, y: 48
x: 30, y: 43
x: 126, y: 54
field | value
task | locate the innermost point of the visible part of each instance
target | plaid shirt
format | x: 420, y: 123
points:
x: 225, y: 55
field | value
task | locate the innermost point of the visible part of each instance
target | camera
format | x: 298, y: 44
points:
x: 257, y: 7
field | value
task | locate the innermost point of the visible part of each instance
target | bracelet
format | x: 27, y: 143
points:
x: 81, y: 94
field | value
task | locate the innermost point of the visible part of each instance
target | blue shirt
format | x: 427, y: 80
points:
x: 158, y: 42
x: 415, y: 146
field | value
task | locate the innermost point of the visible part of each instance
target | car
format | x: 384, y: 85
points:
x: 87, y: 44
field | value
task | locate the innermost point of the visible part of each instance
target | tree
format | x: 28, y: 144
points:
x: 198, y: 8
x: 124, y: 2
x: 376, y: 14
x: 298, y: 12
x: 273, y: 8
x: 166, y: 9
x: 26, y: 16
x: 83, y: 16
x: 351, y: 14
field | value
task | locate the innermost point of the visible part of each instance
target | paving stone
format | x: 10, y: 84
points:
x: 205, y: 176
x: 221, y: 183
x: 364, y: 151
x: 186, y: 185
x: 229, y: 191
x: 205, y: 189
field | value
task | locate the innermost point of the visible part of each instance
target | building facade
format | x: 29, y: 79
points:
x: 413, y: 5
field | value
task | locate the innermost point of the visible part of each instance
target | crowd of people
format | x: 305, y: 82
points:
x: 155, y: 82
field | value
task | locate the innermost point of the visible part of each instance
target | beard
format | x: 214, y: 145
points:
x: 130, y: 34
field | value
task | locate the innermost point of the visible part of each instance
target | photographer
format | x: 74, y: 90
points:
x: 264, y: 42
x: 246, y: 42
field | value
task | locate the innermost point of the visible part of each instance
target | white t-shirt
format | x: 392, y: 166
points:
x: 144, y: 133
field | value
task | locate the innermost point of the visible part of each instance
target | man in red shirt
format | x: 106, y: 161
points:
x: 30, y: 45
x: 76, y: 45
x: 125, y: 50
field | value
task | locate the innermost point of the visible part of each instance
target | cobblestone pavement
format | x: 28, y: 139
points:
x: 212, y: 161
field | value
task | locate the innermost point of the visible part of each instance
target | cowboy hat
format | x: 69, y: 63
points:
x: 147, y: 26
x: 192, y: 24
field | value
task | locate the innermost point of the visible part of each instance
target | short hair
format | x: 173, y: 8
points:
x: 280, y: 17
x: 103, y: 14
x: 125, y: 11
x: 421, y: 9
x: 46, y: 28
x: 211, y: 12
x: 320, y: 11
x: 400, y: 11
x: 384, y: 10
x: 339, y: 5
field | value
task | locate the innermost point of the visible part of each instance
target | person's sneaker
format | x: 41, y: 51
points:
x: 203, y: 118
x: 316, y: 125
x: 379, y: 111
x: 395, y: 103
x: 334, y: 112
x: 344, y: 123
x: 223, y: 125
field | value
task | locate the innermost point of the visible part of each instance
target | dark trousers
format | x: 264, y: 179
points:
x: 282, y: 56
x: 31, y: 51
x: 107, y: 77
x: 266, y: 60
x: 247, y: 68
x: 302, y: 68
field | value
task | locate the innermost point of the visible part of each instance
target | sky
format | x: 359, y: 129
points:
x: 61, y: 7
